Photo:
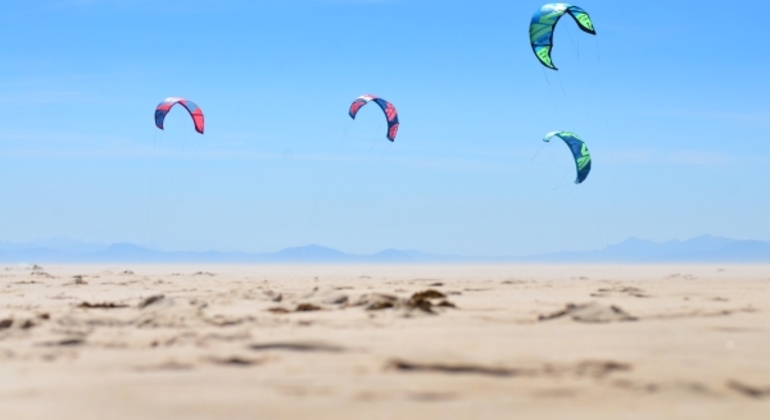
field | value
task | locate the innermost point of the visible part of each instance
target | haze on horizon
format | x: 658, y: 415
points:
x: 676, y: 138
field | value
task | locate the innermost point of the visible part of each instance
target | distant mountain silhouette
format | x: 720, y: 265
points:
x: 703, y: 249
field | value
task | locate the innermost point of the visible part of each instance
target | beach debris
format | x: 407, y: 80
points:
x: 428, y: 294
x: 78, y: 279
x: 307, y: 307
x: 71, y: 342
x: 590, y: 313
x: 24, y: 325
x: 630, y: 291
x: 302, y: 307
x: 236, y: 361
x: 104, y: 305
x: 513, y: 281
x: 204, y: 273
x: 695, y: 388
x: 457, y: 369
x: 596, y: 369
x: 749, y: 390
x: 298, y: 347
x: 279, y: 310
x: 67, y: 342
x: 150, y: 301
x: 422, y: 301
x: 378, y: 302
x: 27, y: 324
x: 43, y: 274
x: 599, y: 368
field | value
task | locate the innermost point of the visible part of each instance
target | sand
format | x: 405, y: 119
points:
x: 385, y: 342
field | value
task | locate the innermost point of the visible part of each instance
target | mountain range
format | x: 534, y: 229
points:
x: 703, y: 249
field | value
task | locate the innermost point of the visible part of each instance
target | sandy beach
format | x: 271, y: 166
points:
x: 385, y: 342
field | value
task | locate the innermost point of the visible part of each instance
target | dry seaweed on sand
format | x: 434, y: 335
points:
x: 151, y: 300
x: 279, y: 310
x: 307, y: 307
x: 457, y: 369
x: 749, y: 390
x: 298, y: 347
x: 204, y: 273
x: 79, y: 279
x: 630, y: 291
x: 428, y: 294
x: 600, y: 369
x: 24, y: 325
x: 27, y: 324
x: 105, y: 305
x: 302, y: 307
x: 67, y: 342
x: 422, y: 301
x: 590, y: 313
x: 236, y: 361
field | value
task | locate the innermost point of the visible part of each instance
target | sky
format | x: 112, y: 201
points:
x: 673, y: 107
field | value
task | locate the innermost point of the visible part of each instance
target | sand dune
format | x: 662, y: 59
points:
x: 385, y: 342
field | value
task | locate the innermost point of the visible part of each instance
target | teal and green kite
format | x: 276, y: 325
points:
x: 579, y: 151
x: 544, y: 23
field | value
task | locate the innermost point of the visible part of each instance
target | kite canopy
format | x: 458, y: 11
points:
x: 579, y: 152
x: 162, y: 110
x: 544, y: 22
x: 390, y: 112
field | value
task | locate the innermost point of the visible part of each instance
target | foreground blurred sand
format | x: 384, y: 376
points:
x: 227, y: 342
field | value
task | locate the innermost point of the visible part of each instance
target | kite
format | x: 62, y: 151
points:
x: 579, y: 151
x: 390, y: 112
x: 192, y: 108
x: 544, y: 23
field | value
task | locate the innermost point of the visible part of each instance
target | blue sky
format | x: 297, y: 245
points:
x: 673, y: 108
